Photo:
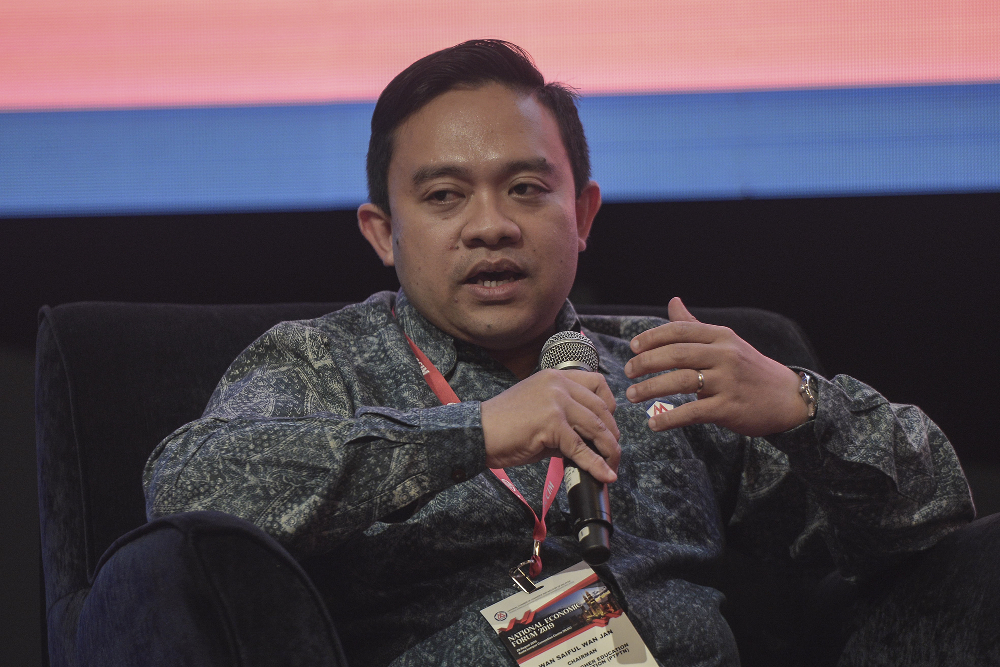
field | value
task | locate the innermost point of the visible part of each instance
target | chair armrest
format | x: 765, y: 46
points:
x: 203, y: 588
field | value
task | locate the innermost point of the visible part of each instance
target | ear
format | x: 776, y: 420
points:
x: 376, y: 226
x: 587, y: 206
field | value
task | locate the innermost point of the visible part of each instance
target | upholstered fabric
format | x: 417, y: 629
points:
x: 203, y: 588
x: 941, y: 609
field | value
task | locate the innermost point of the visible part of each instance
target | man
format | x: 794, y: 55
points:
x: 328, y: 435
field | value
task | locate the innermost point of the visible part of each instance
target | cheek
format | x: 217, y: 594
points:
x: 420, y: 258
x: 565, y: 245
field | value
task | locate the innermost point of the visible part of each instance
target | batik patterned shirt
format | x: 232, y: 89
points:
x: 325, y: 434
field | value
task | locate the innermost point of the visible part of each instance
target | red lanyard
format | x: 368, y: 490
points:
x: 553, y: 478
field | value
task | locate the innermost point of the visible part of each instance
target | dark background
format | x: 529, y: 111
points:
x: 900, y: 292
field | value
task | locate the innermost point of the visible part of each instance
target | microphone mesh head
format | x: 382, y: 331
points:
x: 568, y: 349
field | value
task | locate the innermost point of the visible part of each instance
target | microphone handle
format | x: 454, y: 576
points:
x: 591, y: 512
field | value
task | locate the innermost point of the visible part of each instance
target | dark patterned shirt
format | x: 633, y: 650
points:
x: 325, y: 434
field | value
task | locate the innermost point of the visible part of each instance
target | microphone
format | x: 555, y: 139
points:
x: 590, y: 509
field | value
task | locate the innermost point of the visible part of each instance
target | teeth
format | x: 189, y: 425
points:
x: 494, y: 283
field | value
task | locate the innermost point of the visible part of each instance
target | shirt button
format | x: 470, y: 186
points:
x: 458, y: 475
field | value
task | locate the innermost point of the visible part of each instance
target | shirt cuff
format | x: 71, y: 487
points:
x: 856, y: 425
x: 457, y: 451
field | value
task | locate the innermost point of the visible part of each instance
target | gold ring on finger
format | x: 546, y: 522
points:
x: 701, y: 382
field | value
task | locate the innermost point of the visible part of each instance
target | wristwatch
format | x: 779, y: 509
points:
x: 807, y: 388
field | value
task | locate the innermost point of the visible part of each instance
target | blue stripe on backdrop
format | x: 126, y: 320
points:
x: 644, y: 148
x: 863, y: 141
x: 183, y: 160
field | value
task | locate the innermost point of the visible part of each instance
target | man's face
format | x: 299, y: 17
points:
x: 485, y: 226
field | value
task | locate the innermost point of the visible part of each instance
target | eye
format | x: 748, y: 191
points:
x: 527, y: 189
x: 442, y: 196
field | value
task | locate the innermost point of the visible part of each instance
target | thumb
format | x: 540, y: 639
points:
x: 678, y: 312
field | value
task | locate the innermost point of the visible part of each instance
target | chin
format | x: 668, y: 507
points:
x: 494, y: 338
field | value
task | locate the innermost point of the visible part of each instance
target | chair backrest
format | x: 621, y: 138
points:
x: 114, y: 379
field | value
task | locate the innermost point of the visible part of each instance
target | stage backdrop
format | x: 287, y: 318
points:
x: 117, y: 106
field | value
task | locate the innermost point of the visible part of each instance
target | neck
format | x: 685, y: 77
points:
x: 521, y: 361
x: 521, y: 365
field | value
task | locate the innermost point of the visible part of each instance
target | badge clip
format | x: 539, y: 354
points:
x: 520, y: 577
x: 519, y: 573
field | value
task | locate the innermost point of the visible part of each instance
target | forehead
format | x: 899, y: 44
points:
x: 478, y: 130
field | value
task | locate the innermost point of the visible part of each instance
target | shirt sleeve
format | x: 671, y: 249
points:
x: 286, y: 444
x: 872, y: 480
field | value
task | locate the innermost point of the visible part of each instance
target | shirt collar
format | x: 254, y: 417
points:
x: 436, y: 344
x: 567, y: 319
x: 443, y: 350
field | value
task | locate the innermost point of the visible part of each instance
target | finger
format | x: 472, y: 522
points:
x: 572, y: 446
x: 595, y: 383
x: 604, y: 393
x: 583, y: 397
x: 678, y: 312
x: 597, y: 405
x: 591, y: 391
x: 676, y: 332
x: 676, y: 355
x: 598, y: 428
x: 695, y: 412
x: 684, y: 381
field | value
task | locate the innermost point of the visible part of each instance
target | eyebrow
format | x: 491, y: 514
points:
x: 537, y: 165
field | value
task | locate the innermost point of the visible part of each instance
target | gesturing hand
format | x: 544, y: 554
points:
x: 743, y: 390
x: 550, y: 414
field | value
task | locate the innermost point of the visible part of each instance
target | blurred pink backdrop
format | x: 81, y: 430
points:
x: 63, y: 54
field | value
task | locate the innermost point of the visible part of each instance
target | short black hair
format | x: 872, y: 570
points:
x: 469, y: 64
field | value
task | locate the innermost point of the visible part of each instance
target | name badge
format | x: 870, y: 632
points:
x: 571, y: 620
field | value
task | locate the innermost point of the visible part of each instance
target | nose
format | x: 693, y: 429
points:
x: 488, y: 225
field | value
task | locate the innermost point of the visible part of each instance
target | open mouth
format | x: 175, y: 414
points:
x: 495, y: 278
